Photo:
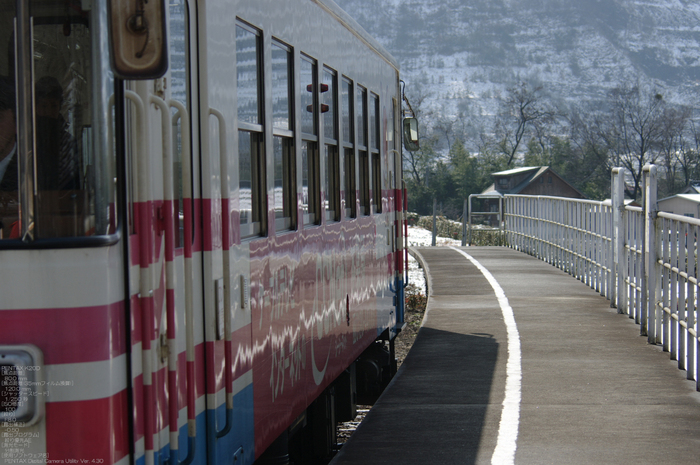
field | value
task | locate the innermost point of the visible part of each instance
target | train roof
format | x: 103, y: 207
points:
x: 353, y: 26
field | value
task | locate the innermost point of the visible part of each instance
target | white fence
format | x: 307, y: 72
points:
x: 643, y: 260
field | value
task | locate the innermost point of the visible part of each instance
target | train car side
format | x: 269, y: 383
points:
x: 223, y: 277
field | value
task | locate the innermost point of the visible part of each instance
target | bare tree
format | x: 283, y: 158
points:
x: 585, y: 135
x: 418, y: 162
x: 633, y: 129
x: 671, y: 142
x: 445, y: 127
x: 689, y: 154
x: 523, y: 110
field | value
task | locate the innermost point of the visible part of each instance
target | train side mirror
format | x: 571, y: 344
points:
x: 410, y: 134
x: 138, y: 39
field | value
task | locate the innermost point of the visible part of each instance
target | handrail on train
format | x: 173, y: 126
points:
x: 146, y: 280
x: 226, y: 220
x: 188, y: 209
x: 170, y: 277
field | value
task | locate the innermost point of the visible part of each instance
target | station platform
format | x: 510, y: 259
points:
x: 591, y: 390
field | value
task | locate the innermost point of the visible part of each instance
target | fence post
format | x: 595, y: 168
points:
x: 501, y: 219
x: 465, y: 214
x: 617, y: 296
x: 434, y: 222
x: 649, y: 253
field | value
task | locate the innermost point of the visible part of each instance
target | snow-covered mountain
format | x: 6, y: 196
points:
x: 463, y: 54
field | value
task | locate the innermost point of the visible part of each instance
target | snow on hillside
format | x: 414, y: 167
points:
x: 462, y: 56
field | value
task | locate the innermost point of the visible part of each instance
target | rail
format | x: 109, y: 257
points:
x: 644, y: 261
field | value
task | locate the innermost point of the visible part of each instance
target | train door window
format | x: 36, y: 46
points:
x: 55, y: 89
x: 364, y: 182
x: 283, y: 137
x: 391, y: 122
x: 180, y: 86
x: 390, y: 146
x: 251, y: 155
x: 349, y: 149
x: 329, y: 108
x: 361, y: 119
x: 374, y: 151
x: 394, y: 142
x: 283, y: 149
x: 310, y: 166
x: 9, y: 176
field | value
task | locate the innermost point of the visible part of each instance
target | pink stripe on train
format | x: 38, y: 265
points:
x: 68, y: 335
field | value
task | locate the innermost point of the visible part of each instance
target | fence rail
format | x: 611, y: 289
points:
x: 644, y: 261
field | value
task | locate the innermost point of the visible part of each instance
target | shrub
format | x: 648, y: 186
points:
x: 453, y: 230
x: 415, y: 300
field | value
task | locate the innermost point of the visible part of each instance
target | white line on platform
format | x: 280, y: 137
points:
x: 504, y: 453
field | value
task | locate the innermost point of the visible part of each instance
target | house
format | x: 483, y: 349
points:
x: 681, y: 204
x: 532, y: 180
x: 692, y: 188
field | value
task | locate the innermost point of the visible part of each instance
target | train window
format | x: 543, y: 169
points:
x: 309, y: 182
x: 249, y: 173
x: 283, y: 148
x: 57, y: 174
x: 350, y: 183
x: 251, y: 155
x: 347, y: 111
x: 180, y: 91
x: 361, y: 118
x: 281, y: 86
x: 391, y: 124
x: 309, y: 88
x: 376, y: 183
x: 364, y: 183
x: 374, y: 150
x: 310, y: 166
x: 392, y: 137
x: 283, y: 137
x: 248, y: 71
x: 329, y: 108
x: 349, y: 149
x: 373, y: 122
x: 332, y: 183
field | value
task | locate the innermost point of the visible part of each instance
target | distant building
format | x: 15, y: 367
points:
x: 693, y: 188
x: 681, y: 204
x: 533, y: 180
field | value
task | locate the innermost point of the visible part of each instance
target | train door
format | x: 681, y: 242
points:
x: 227, y: 354
x: 161, y: 130
x: 185, y: 329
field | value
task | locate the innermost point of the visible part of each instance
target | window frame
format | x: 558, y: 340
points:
x: 256, y: 225
x: 331, y: 135
x: 286, y: 218
x: 348, y: 148
x: 103, y: 219
x: 363, y: 150
x: 375, y: 140
x: 179, y: 187
x: 311, y: 202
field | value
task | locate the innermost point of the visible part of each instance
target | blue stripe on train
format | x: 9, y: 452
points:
x: 238, y: 443
x: 240, y: 440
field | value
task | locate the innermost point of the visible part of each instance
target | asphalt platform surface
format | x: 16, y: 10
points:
x: 593, y: 391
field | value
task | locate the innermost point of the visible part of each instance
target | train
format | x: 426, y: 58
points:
x: 202, y: 229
